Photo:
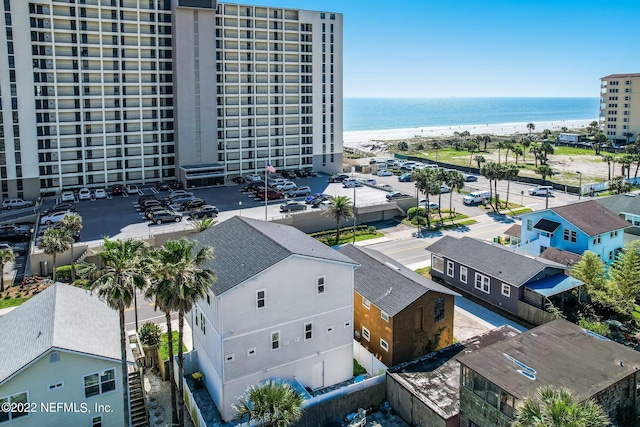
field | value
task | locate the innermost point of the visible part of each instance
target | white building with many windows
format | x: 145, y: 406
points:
x: 97, y: 92
x: 620, y: 106
x: 281, y: 307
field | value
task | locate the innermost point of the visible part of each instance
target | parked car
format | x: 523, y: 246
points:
x: 116, y: 190
x: 253, y: 177
x: 470, y: 178
x: 17, y: 249
x: 68, y: 196
x: 351, y: 183
x: 319, y: 201
x: 153, y: 209
x: 541, y: 190
x: 292, y: 205
x: 44, y: 227
x: 14, y: 233
x: 405, y: 177
x: 181, y: 200
x: 132, y: 189
x: 100, y: 193
x: 445, y: 189
x: 431, y: 205
x: 207, y: 210
x: 176, y: 185
x: 396, y: 195
x: 166, y: 216
x: 338, y: 178
x: 66, y: 206
x: 387, y: 187
x: 370, y: 181
x: 179, y: 193
x: 385, y: 172
x: 162, y: 186
x: 286, y: 186
x: 309, y: 200
x: 54, y: 217
x: 193, y: 204
x: 476, y: 197
x: 300, y: 191
x: 146, y: 197
x: 271, y: 194
x: 238, y: 180
x: 16, y: 204
x: 253, y: 186
x: 146, y: 204
x: 84, y: 194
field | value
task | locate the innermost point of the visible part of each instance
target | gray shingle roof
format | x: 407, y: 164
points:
x: 591, y: 217
x: 492, y: 259
x: 562, y: 354
x: 62, y: 317
x: 244, y: 247
x: 386, y: 283
x: 627, y: 203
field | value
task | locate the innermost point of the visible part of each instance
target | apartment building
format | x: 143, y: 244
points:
x: 98, y: 92
x: 620, y: 107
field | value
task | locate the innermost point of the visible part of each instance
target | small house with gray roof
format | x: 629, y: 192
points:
x: 280, y: 307
x: 399, y: 315
x: 517, y: 283
x: 577, y: 227
x: 62, y: 345
x: 558, y: 354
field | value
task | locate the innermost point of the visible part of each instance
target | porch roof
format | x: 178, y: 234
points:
x: 554, y: 285
x: 547, y: 225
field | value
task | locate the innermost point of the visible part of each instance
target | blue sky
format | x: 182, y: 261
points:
x: 479, y: 48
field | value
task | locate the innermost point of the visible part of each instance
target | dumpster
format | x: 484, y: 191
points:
x: 197, y: 380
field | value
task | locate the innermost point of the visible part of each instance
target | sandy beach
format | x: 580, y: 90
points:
x: 369, y: 139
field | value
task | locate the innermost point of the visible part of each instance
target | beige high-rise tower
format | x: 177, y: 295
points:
x: 620, y: 107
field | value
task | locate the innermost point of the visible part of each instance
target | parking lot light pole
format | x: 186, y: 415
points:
x: 580, y: 185
x: 353, y: 172
x: 240, y: 205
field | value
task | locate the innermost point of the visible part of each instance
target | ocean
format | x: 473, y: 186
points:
x: 398, y: 113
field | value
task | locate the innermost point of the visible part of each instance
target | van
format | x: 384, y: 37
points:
x: 476, y: 197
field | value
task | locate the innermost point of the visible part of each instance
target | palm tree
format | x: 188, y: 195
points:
x: 116, y: 285
x: 625, y: 164
x: 272, y: 404
x: 472, y: 146
x: 490, y: 171
x: 531, y: 127
x: 54, y: 241
x: 455, y: 181
x: 517, y: 151
x: 526, y: 143
x: 511, y: 173
x: 558, y: 408
x: 486, y: 139
x: 628, y: 135
x: 6, y: 255
x: 546, y: 133
x: 436, y: 146
x: 535, y: 150
x: 545, y: 149
x: 500, y: 147
x: 564, y: 129
x: 203, y: 224
x: 593, y: 126
x: 500, y: 174
x: 190, y: 284
x: 509, y: 144
x: 608, y: 159
x: 479, y: 160
x: 427, y: 182
x: 544, y: 171
x: 73, y: 224
x: 340, y: 208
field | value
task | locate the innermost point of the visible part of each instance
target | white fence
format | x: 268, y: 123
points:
x: 192, y: 407
x: 368, y: 360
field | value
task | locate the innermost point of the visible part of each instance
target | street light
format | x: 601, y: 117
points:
x: 240, y: 205
x: 353, y: 172
x: 580, y: 187
x: 418, y: 207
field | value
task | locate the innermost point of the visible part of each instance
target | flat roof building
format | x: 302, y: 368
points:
x: 620, y: 107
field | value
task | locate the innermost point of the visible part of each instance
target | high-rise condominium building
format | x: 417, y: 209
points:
x: 620, y: 106
x: 97, y: 92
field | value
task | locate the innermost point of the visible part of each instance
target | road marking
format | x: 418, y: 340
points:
x: 124, y: 194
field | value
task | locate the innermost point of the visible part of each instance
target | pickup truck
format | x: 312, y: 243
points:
x: 476, y: 197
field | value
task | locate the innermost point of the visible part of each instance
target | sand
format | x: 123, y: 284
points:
x: 370, y: 140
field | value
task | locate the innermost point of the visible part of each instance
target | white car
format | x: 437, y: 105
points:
x: 84, y: 194
x: 54, y: 217
x: 541, y: 190
x: 132, y: 189
x: 445, y: 189
x: 253, y: 177
x: 68, y: 196
x: 286, y: 186
x: 385, y: 172
x: 300, y: 191
x: 100, y: 193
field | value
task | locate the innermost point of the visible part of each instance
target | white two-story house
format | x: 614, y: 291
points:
x: 60, y: 361
x: 281, y: 307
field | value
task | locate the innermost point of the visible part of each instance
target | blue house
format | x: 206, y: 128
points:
x: 578, y: 227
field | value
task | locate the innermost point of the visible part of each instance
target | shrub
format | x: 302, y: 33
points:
x: 63, y: 272
x: 597, y: 327
x: 150, y: 334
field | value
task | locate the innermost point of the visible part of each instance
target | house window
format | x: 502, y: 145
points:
x: 329, y: 329
x: 529, y: 224
x: 437, y: 264
x: 308, y: 331
x: 463, y: 274
x: 613, y: 234
x: 208, y: 299
x: 275, y: 340
x: 320, y: 285
x: 438, y: 310
x: 570, y: 236
x: 482, y: 283
x: 366, y: 334
x: 506, y: 290
x: 229, y: 358
x: 597, y: 240
x: 347, y: 324
x: 99, y: 383
x: 251, y: 352
x: 261, y: 298
x: 450, y: 268
x: 384, y: 315
x: 56, y: 386
x: 19, y: 400
x: 610, y: 255
x: 96, y: 421
x: 366, y: 303
x: 384, y: 345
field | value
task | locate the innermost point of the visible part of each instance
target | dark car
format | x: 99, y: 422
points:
x: 207, y: 210
x: 193, y: 204
x: 61, y: 207
x: 116, y: 190
x: 13, y: 233
x: 146, y: 197
x: 291, y: 206
x: 176, y: 185
x: 166, y: 216
x: 405, y: 177
x: 144, y: 205
x: 318, y: 201
x: 182, y: 199
x: 17, y: 249
x: 271, y: 195
x: 396, y: 195
x: 338, y: 178
x: 238, y: 180
x: 148, y: 213
x: 162, y: 186
x: 253, y: 186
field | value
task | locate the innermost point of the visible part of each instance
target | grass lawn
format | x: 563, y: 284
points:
x: 163, y: 348
x: 358, y: 369
x: 12, y: 302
